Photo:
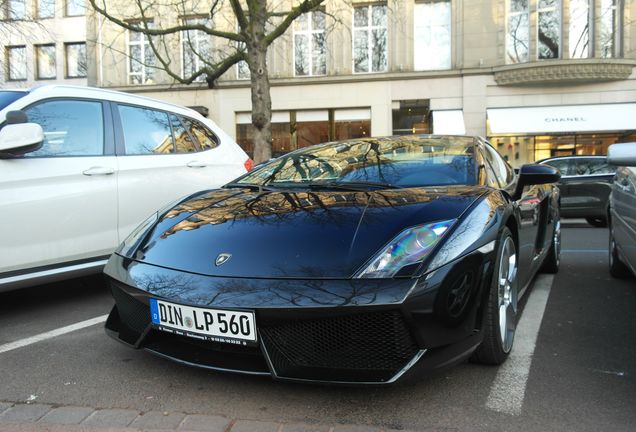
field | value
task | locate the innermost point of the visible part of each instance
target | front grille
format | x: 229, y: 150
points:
x: 133, y: 313
x: 357, y: 347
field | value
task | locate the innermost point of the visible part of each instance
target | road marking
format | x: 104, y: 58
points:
x: 509, y: 387
x: 51, y: 334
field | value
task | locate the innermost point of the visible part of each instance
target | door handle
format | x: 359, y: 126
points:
x: 196, y: 164
x: 99, y: 170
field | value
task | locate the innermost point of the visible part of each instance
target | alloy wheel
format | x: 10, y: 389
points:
x: 507, y: 294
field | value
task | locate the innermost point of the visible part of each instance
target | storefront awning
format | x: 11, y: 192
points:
x: 449, y: 122
x: 566, y: 118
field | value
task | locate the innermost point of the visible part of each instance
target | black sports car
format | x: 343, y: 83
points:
x: 354, y: 261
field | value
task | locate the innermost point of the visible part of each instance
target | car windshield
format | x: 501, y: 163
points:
x: 384, y: 162
x: 6, y: 97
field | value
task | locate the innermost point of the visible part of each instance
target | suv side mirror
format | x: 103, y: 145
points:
x: 622, y: 154
x: 19, y: 139
x: 534, y: 174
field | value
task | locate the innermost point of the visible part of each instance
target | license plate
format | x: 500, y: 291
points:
x: 218, y: 325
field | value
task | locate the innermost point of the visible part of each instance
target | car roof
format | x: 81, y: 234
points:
x: 571, y: 157
x: 57, y: 90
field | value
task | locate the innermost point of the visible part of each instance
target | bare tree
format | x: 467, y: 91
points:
x: 258, y: 24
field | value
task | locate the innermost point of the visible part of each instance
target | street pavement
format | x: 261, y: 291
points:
x: 577, y: 374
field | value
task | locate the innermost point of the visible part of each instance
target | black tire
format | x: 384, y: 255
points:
x: 598, y: 222
x: 493, y: 350
x: 617, y: 268
x: 553, y: 259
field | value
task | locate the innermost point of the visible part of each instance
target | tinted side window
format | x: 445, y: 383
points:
x: 501, y: 168
x: 71, y: 128
x: 183, y: 140
x: 593, y: 167
x: 563, y: 165
x: 204, y: 136
x: 146, y: 131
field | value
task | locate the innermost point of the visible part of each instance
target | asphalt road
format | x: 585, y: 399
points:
x: 580, y: 376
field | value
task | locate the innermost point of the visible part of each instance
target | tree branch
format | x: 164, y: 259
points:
x: 304, y: 7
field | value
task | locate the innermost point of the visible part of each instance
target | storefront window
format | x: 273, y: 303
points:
x: 412, y: 117
x: 292, y: 130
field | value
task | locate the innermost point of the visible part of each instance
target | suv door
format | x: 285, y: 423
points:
x: 161, y: 157
x: 59, y: 203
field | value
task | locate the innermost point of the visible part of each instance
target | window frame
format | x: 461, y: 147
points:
x: 508, y: 14
x: 66, y: 63
x: 144, y: 41
x: 369, y: 28
x: 310, y: 32
x: 38, y: 10
x: 558, y: 9
x: 8, y: 11
x: 66, y: 10
x: 8, y: 49
x: 37, y: 52
x: 199, y: 36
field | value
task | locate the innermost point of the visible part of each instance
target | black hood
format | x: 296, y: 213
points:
x: 293, y: 234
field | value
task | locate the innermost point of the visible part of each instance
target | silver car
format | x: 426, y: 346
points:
x: 622, y: 223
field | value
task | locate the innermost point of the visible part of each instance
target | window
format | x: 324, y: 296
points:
x: 16, y: 63
x: 146, y: 131
x: 432, y: 35
x: 500, y: 167
x: 548, y: 29
x: 310, y: 45
x: 15, y: 9
x: 46, y: 8
x: 609, y: 34
x: 370, y: 38
x: 195, y: 48
x: 75, y: 7
x: 184, y: 142
x: 75, y: 60
x: 412, y: 117
x: 592, y: 167
x: 45, y: 58
x: 579, y: 30
x: 141, y: 58
x: 517, y: 31
x: 71, y: 128
x: 563, y: 165
x: 202, y: 136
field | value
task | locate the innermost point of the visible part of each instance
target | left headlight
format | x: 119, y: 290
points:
x: 411, y: 246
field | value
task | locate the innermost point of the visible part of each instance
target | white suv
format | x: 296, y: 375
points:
x: 80, y: 167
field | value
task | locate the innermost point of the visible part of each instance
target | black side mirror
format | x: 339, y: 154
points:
x: 534, y: 174
x: 16, y: 117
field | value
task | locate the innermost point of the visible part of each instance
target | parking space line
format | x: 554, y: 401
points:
x: 509, y: 387
x: 51, y: 334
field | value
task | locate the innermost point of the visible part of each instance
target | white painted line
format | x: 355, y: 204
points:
x: 509, y: 387
x: 51, y: 334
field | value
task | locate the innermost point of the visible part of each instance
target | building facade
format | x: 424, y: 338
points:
x: 537, y: 77
x: 43, y: 41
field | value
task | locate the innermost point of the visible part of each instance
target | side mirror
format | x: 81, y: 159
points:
x: 19, y: 139
x: 534, y: 174
x: 622, y: 154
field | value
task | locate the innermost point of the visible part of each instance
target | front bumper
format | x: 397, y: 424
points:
x: 354, y: 331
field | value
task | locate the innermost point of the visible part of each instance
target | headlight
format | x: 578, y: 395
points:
x: 131, y: 242
x: 411, y: 246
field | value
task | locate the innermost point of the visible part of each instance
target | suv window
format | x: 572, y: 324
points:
x: 563, y: 165
x: 71, y: 128
x: 146, y: 131
x: 204, y: 136
x: 182, y: 138
x: 593, y: 166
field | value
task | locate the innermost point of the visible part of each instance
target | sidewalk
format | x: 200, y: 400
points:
x: 22, y: 417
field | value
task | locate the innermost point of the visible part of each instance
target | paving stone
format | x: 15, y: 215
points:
x: 5, y: 406
x: 24, y: 413
x: 66, y: 415
x: 305, y: 428
x: 254, y: 426
x: 111, y: 418
x: 356, y: 428
x: 204, y: 423
x: 157, y: 420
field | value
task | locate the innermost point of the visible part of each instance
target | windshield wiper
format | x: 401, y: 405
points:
x: 252, y: 186
x: 352, y: 185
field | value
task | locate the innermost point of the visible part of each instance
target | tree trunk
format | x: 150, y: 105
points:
x: 261, y: 98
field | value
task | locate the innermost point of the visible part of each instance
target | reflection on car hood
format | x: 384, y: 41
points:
x: 292, y: 234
